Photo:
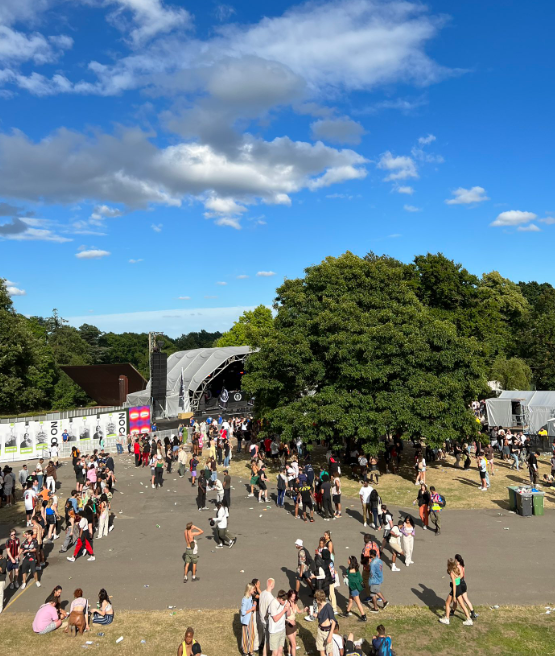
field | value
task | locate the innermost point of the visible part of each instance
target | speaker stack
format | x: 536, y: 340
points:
x: 158, y: 376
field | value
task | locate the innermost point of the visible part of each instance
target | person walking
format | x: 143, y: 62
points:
x: 423, y: 501
x: 364, y: 495
x: 201, y: 492
x: 533, y: 467
x: 376, y: 580
x: 356, y: 586
x: 326, y: 624
x: 191, y: 550
x: 13, y: 547
x: 407, y: 539
x: 84, y: 540
x: 482, y: 468
x: 421, y: 471
x: 395, y: 545
x: 221, y: 521
x: 29, y: 551
x: 104, y: 516
x: 281, y: 488
x: 375, y: 506
x: 464, y: 588
x: 227, y: 489
x: 437, y: 502
x: 455, y: 594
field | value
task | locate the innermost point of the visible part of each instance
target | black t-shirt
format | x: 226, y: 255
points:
x: 78, y: 469
x: 3, y: 568
x: 532, y: 460
x: 326, y: 489
x: 305, y: 491
x: 325, y: 614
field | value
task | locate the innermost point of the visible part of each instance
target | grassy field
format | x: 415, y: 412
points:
x: 459, y: 487
x: 511, y: 631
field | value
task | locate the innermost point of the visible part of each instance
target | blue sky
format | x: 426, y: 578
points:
x: 164, y: 165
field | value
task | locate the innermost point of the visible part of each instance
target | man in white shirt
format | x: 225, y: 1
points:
x: 224, y: 535
x: 29, y: 500
x: 364, y: 494
x: 277, y: 612
x: 266, y: 598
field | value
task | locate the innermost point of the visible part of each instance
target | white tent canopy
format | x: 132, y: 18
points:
x: 194, y: 368
x: 536, y: 408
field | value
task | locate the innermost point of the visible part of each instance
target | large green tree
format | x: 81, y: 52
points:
x: 354, y: 353
x: 251, y: 329
x: 194, y: 340
x: 512, y: 373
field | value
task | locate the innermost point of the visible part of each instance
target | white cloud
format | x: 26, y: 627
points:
x: 549, y: 220
x: 529, y: 228
x: 242, y: 277
x: 412, y: 208
x: 404, y: 105
x: 464, y: 196
x: 229, y: 222
x: 22, y: 229
x: 157, y: 227
x: 266, y: 274
x: 401, y: 167
x: 135, y: 261
x: 169, y: 321
x: 513, y: 218
x: 424, y: 141
x: 93, y: 254
x: 102, y: 212
x: 337, y: 130
x: 221, y: 283
x: 17, y: 47
x: 149, y: 17
x: 183, y: 298
x: 13, y: 290
x: 404, y: 190
x: 224, y: 12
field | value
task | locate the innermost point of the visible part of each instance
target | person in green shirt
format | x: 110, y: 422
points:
x: 356, y: 586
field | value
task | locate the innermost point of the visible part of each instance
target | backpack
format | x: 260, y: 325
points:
x: 441, y: 502
x: 385, y: 647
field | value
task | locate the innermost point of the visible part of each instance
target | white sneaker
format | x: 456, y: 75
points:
x: 99, y: 537
x: 468, y: 622
x: 153, y: 486
x: 394, y: 568
x: 365, y: 524
x: 71, y: 559
x: 424, y: 528
x: 56, y: 537
x: 407, y: 563
x: 91, y: 558
x: 23, y: 586
x: 110, y: 528
x: 38, y: 584
x: 444, y: 620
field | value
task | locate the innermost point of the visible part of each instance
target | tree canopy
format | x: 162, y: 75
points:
x: 251, y: 329
x: 354, y: 352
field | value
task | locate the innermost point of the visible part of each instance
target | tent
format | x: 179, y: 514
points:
x: 189, y: 372
x: 521, y: 409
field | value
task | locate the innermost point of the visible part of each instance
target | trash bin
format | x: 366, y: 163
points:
x: 512, y: 497
x: 538, y: 502
x: 524, y: 504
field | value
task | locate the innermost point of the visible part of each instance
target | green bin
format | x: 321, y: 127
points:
x: 538, y: 502
x: 512, y: 497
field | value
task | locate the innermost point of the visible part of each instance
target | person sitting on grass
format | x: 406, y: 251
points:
x: 381, y: 643
x: 189, y: 646
x: 104, y: 614
x: 46, y: 619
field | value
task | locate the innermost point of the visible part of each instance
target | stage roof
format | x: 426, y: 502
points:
x: 101, y: 381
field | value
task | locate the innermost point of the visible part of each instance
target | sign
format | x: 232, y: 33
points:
x: 139, y: 420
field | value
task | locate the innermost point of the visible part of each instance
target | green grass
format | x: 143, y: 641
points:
x: 507, y: 631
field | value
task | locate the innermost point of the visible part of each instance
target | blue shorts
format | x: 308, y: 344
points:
x: 354, y: 593
x: 12, y: 566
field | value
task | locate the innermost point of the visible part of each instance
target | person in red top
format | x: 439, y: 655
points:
x: 12, y: 551
x: 137, y: 452
x: 268, y: 446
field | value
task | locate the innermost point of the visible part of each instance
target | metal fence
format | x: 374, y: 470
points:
x: 64, y: 414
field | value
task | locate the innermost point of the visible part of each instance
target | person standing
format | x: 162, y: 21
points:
x: 277, y: 613
x: 364, y: 494
x: 29, y: 549
x: 9, y: 484
x: 303, y: 565
x: 423, y: 501
x: 221, y: 520
x: 247, y: 617
x: 191, y: 550
x: 137, y: 452
x: 22, y: 478
x: 281, y: 488
x: 307, y: 495
x: 436, y: 505
x: 227, y: 489
x: 12, y: 551
x: 533, y: 467
x: 3, y: 572
x: 201, y: 492
x: 182, y: 460
x: 159, y: 471
x: 326, y: 624
x: 266, y: 598
x: 327, y: 511
x: 336, y: 496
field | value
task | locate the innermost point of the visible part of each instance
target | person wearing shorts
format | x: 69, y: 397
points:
x: 12, y: 553
x: 191, y: 550
x: 277, y: 612
x: 395, y: 546
x: 306, y: 495
x: 47, y: 620
x: 326, y: 624
x: 29, y: 549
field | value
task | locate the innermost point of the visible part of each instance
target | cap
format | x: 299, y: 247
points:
x: 299, y: 543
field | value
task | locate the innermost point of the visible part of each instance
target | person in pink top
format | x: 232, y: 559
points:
x: 91, y: 474
x: 46, y: 619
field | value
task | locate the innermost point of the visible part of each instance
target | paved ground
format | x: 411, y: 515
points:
x: 503, y: 566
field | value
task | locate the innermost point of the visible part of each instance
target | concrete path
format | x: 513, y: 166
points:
x: 503, y: 566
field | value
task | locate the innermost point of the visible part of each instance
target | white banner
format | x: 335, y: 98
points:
x: 36, y: 439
